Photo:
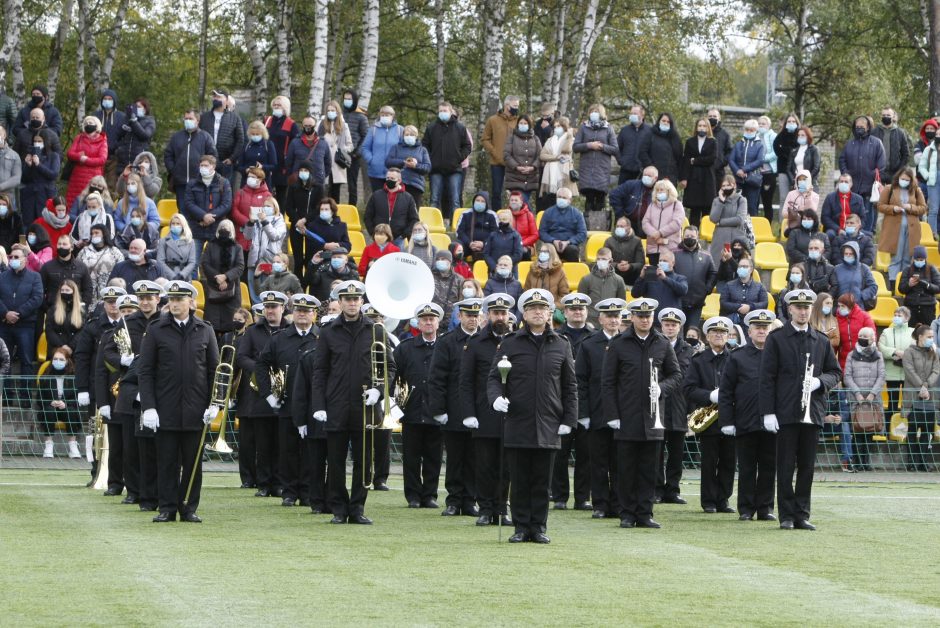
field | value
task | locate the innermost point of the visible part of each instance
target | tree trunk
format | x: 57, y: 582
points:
x: 259, y: 92
x: 333, y: 33
x: 934, y: 39
x: 318, y: 73
x: 282, y: 38
x: 591, y: 29
x: 370, y: 52
x: 203, y: 53
x: 87, y: 39
x: 799, y: 62
x: 80, y: 63
x: 530, y: 26
x: 117, y: 27
x: 559, y: 52
x: 441, y: 48
x: 19, y: 82
x: 494, y: 22
x: 55, y: 56
x: 12, y: 12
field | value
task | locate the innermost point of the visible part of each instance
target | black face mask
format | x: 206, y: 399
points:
x: 90, y: 128
x: 458, y: 256
x: 391, y: 183
x: 860, y: 132
x: 67, y: 298
x: 94, y: 189
x: 886, y: 120
x: 224, y: 235
x: 702, y: 134
x: 736, y: 253
x: 238, y: 324
x: 35, y: 124
x: 35, y: 101
x: 864, y: 342
x: 308, y: 130
x: 514, y: 111
x: 692, y: 341
x: 504, y: 226
x: 63, y: 253
x: 689, y: 243
x: 217, y: 103
x: 713, y: 122
x: 930, y: 134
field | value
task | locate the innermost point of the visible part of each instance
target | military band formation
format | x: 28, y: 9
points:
x: 508, y: 406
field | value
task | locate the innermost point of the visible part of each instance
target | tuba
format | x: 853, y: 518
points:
x: 702, y: 418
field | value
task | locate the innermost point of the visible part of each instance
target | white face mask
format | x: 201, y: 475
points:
x: 603, y: 264
x: 469, y: 293
x: 253, y: 182
x: 132, y: 188
x: 419, y: 236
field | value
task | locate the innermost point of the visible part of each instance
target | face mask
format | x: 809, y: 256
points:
x: 898, y: 321
x: 96, y: 240
x: 277, y: 267
x: 827, y: 310
x: 713, y: 122
x: 514, y: 111
x: 35, y: 101
x: 385, y: 120
x: 801, y: 140
x: 468, y: 293
x: 238, y: 324
x: 134, y: 257
x: 4, y: 210
x: 887, y: 120
x: 38, y: 147
x: 347, y: 103
x: 562, y: 203
x: 844, y: 187
x: 744, y: 272
x: 736, y: 253
x: 664, y: 128
x: 689, y: 243
x: 337, y: 263
x: 848, y: 259
x: 189, y: 125
x: 303, y: 175
x: 864, y: 342
x: 16, y: 264
x: 225, y: 235
x: 702, y: 133
x: 559, y: 131
x: 918, y: 263
x: 35, y: 124
x: 442, y: 265
x: 326, y: 216
x: 217, y: 104
x: 749, y: 136
x: 410, y: 140
x: 414, y: 323
x: 692, y: 341
x: 443, y: 116
x: 132, y: 189
x: 136, y: 222
x: 813, y: 255
x: 647, y: 181
x: 141, y: 112
x: 850, y: 230
x: 732, y: 342
x: 515, y: 205
x: 391, y: 183
x: 458, y: 255
x: 92, y: 211
x: 594, y: 117
x: 58, y: 365
x: 661, y: 197
x: 205, y: 171
x: 90, y: 128
x: 928, y: 343
x: 308, y: 130
x: 504, y: 226
x: 663, y: 266
x: 523, y: 128
x: 63, y: 252
x: 255, y: 139
x: 634, y: 119
x: 791, y: 127
x: 930, y: 134
x: 544, y: 257
x: 419, y: 236
x: 503, y: 272
x: 331, y: 115
x: 253, y: 182
x: 904, y: 183
x: 860, y: 132
x: 603, y: 265
x: 176, y: 229
x: 843, y: 311
x: 807, y: 224
x: 277, y: 112
x: 620, y: 232
x: 479, y: 206
x: 31, y: 239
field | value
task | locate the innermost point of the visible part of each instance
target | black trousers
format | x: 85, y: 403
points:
x: 757, y: 462
x: 352, y: 178
x: 458, y: 478
x: 603, y: 457
x: 717, y: 470
x: 116, y: 456
x: 422, y: 452
x: 343, y: 502
x: 491, y: 488
x: 382, y: 451
x: 594, y: 199
x: 696, y: 213
x: 670, y: 464
x: 130, y: 454
x: 247, y: 451
x: 917, y: 444
x: 291, y: 466
x: 147, y: 447
x: 176, y: 455
x: 636, y: 478
x: 530, y: 472
x: 316, y: 473
x: 579, y: 441
x: 768, y: 187
x: 796, y: 453
x: 266, y: 442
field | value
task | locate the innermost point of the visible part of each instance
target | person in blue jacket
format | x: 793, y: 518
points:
x: 412, y: 158
x: 259, y: 151
x: 563, y: 227
x: 745, y: 161
x: 21, y: 296
x: 662, y: 282
x: 504, y: 241
x: 385, y: 134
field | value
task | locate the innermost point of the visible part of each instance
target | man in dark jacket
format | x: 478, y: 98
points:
x: 178, y: 358
x: 723, y: 144
x: 112, y: 119
x: 448, y: 145
x: 839, y: 205
x: 741, y: 295
x: 61, y: 267
x: 325, y: 269
x: 393, y: 206
x: 40, y: 100
x: 183, y: 154
x: 633, y: 197
x: 135, y: 136
x: 698, y: 268
x: 852, y: 233
x: 675, y: 414
x: 36, y: 125
x: 21, y: 298
x: 862, y: 157
x: 629, y: 140
x: 539, y: 410
x: 208, y: 200
x: 358, y: 124
x: 228, y: 134
x: 301, y: 207
x: 662, y: 283
x: 850, y: 276
x: 631, y: 394
x: 137, y: 267
x: 896, y: 143
x: 818, y: 268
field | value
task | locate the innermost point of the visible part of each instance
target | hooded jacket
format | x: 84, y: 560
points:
x: 112, y: 121
x: 477, y: 226
x: 357, y: 121
x: 447, y: 144
x: 855, y: 278
x: 861, y: 158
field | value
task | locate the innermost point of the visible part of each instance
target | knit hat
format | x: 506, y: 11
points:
x: 920, y: 252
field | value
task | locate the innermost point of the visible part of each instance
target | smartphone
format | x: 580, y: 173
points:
x: 727, y: 247
x: 22, y: 239
x: 265, y: 268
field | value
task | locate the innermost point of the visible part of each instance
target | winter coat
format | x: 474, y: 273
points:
x: 698, y: 171
x: 736, y: 293
x: 248, y: 352
x: 303, y: 200
x: 768, y: 137
x: 667, y: 219
x: 112, y: 121
x: 321, y: 276
x: 100, y: 263
x: 377, y: 146
x: 21, y: 292
x: 538, y: 403
x: 230, y: 140
x: 357, y: 121
x: 797, y: 246
x: 60, y: 335
x: 334, y: 231
x: 722, y: 149
x: 866, y: 248
x: 629, y: 141
x: 831, y: 213
x: 11, y: 170
x: 182, y: 154
x: 286, y: 282
x: 864, y: 373
x: 701, y: 379
x: 134, y: 140
x: 557, y: 159
x: 921, y: 368
x: 783, y: 146
x: 632, y: 199
x: 588, y: 364
x: 53, y: 117
x: 132, y: 272
x: 401, y: 220
x: 477, y: 226
x: 563, y: 224
x: 861, y: 158
x: 924, y: 292
x: 739, y: 391
x: 447, y: 144
x: 412, y: 362
x: 728, y: 216
x: 522, y: 150
x: 320, y: 156
x: 698, y: 268
x: 444, y: 378
x: 96, y: 153
x: 335, y: 142
x: 747, y: 155
x: 179, y: 256
x: 244, y: 200
x: 122, y: 217
x: 811, y: 162
x: 849, y: 326
x: 668, y: 291
x: 510, y: 285
x: 664, y: 151
x: 41, y: 177
x: 855, y: 278
x: 600, y: 285
x: 54, y: 273
x: 495, y: 133
x: 894, y: 338
x: 267, y: 239
x: 929, y: 164
x: 202, y: 199
x: 281, y: 131
x: 898, y: 149
x: 629, y: 249
x: 552, y: 279
x: 81, y: 227
x: 475, y: 365
x: 151, y: 180
x: 263, y: 153
x: 594, y: 165
x: 891, y: 225
x: 412, y: 177
x: 446, y: 291
x: 227, y: 259
x: 502, y: 242
x: 373, y: 253
x: 794, y: 205
x: 525, y: 225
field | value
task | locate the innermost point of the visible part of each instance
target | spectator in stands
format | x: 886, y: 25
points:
x: 11, y: 224
x: 303, y: 199
x: 281, y: 279
x: 358, y: 129
x: 88, y: 153
x: 504, y: 241
x: 903, y: 205
x: 597, y: 143
x: 267, y: 232
x: 461, y: 267
x: 696, y: 175
x: 524, y: 223
x: 383, y: 135
x: 797, y: 246
x: 851, y: 319
x: 36, y: 126
x: 823, y: 319
x: 55, y: 218
x: 663, y: 149
x: 728, y: 214
x: 134, y: 196
x: 632, y: 198
x: 895, y: 141
x: 698, y: 267
x: 21, y: 298
x: 503, y: 279
x: 521, y: 156
x: 469, y: 289
x: 208, y: 201
x: 381, y: 246
x: 93, y: 215
x: 476, y: 226
x: 894, y: 340
x: 333, y: 129
x: 412, y: 158
x: 818, y: 268
x: 260, y: 152
x: 38, y: 248
x: 137, y: 267
x: 228, y: 134
x: 853, y: 277
x: 183, y: 155
x: 864, y: 380
x: 548, y: 272
x: 392, y: 205
x: 58, y: 402
x: 627, y: 251
x: 784, y: 145
x: 801, y: 198
x: 557, y: 160
x: 247, y: 203
x: 928, y: 136
x: 307, y: 147
x: 563, y: 227
x: 222, y: 265
x: 145, y: 166
x: 736, y: 337
x: 631, y: 137
x: 134, y: 136
x: 448, y: 145
x: 602, y: 282
x: 769, y: 169
x: 66, y: 317
x: 662, y: 282
x: 282, y: 130
x: 40, y: 170
x: 839, y: 204
x: 40, y: 100
x: 177, y: 250
x: 100, y: 256
x: 328, y: 227
x: 852, y: 233
x: 921, y: 373
x: 920, y: 284
x: 419, y: 244
x: 728, y: 261
x: 805, y: 156
x: 497, y: 130
x: 447, y: 283
x: 796, y: 279
x: 662, y: 223
x: 746, y: 161
x: 864, y: 158
x: 97, y: 184
x: 743, y: 294
x: 693, y: 336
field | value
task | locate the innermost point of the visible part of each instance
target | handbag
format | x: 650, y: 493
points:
x: 876, y: 188
x: 868, y: 417
x: 67, y: 170
x: 215, y: 295
x: 342, y: 158
x: 573, y: 175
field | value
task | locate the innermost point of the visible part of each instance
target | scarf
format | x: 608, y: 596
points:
x: 553, y: 176
x: 53, y: 220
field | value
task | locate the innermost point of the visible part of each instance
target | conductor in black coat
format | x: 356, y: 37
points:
x: 782, y: 372
x: 739, y: 416
x: 444, y: 405
x: 674, y: 414
x: 178, y: 358
x: 629, y: 392
x: 540, y: 402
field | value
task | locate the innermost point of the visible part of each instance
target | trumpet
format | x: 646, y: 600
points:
x: 379, y: 380
x: 654, y: 399
x: 102, y: 452
x: 806, y: 400
x: 227, y: 362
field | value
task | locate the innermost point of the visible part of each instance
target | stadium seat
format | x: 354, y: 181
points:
x: 455, y: 219
x: 200, y: 313
x: 433, y: 217
x: 350, y: 215
x: 524, y: 271
x: 574, y: 271
x: 884, y: 311
x: 42, y: 347
x: 897, y: 429
x: 45, y: 366
x: 164, y: 231
x: 538, y: 220
x: 897, y: 285
x: 712, y: 306
x: 762, y: 230
x: 246, y: 297
x: 882, y: 259
x: 595, y: 243
x: 440, y: 240
x: 166, y: 208
x: 882, y: 285
x: 685, y: 222
x: 933, y: 256
x: 771, y: 303
x: 927, y: 237
x: 769, y: 255
x: 358, y: 242
x: 480, y: 271
x: 706, y: 229
x: 778, y: 280
x: 200, y: 294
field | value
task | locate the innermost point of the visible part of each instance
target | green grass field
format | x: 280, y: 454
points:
x: 73, y: 557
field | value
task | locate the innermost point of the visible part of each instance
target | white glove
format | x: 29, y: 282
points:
x: 563, y: 430
x: 371, y: 396
x: 105, y: 411
x: 441, y: 418
x: 614, y: 425
x: 90, y: 448
x: 151, y: 419
x: 713, y: 396
x: 655, y: 390
x: 274, y: 402
x: 771, y: 424
x: 814, y: 384
x: 302, y: 430
x: 728, y: 430
x: 319, y: 415
x: 84, y: 399
x: 137, y: 398
x: 501, y: 404
x: 127, y: 359
x: 471, y: 422
x: 585, y: 422
x: 210, y: 413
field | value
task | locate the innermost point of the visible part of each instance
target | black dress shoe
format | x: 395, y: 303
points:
x: 658, y: 499
x: 674, y: 500
x: 450, y: 511
x: 786, y: 524
x: 302, y: 502
x: 338, y: 519
x: 470, y: 511
x: 519, y: 537
x: 648, y: 523
x: 598, y: 514
x: 164, y: 517
x: 627, y: 523
x: 381, y: 486
x: 130, y: 499
x: 263, y: 492
x: 191, y: 518
x: 288, y: 501
x: 414, y: 504
x: 583, y: 506
x: 112, y: 492
x: 802, y: 524
x: 147, y: 507
x: 316, y: 510
x: 430, y: 503
x: 746, y: 516
x: 540, y: 537
x: 561, y: 506
x: 767, y: 516
x: 484, y: 520
x: 710, y: 510
x: 247, y: 485
x: 506, y: 520
x: 727, y: 510
x: 360, y: 520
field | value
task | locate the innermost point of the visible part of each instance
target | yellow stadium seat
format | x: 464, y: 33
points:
x: 685, y: 222
x: 882, y: 259
x: 164, y: 231
x: 480, y: 271
x: 884, y: 311
x: 433, y: 217
x: 927, y: 237
x: 771, y: 303
x: 882, y: 285
x: 897, y: 430
x: 538, y: 219
x: 897, y: 285
x: 933, y: 256
x: 769, y: 255
x: 440, y: 240
x: 350, y: 215
x: 246, y: 297
x: 706, y: 229
x: 762, y: 230
x: 358, y: 242
x: 455, y: 219
x: 595, y: 243
x: 574, y: 271
x: 166, y: 208
x: 45, y: 366
x: 712, y: 306
x: 200, y: 294
x: 42, y: 347
x: 778, y: 280
x: 524, y: 271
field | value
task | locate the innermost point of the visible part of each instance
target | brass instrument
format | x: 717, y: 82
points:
x: 102, y: 452
x: 122, y: 339
x: 806, y: 401
x: 278, y: 383
x: 226, y: 358
x: 701, y: 419
x: 654, y: 399
x: 379, y: 380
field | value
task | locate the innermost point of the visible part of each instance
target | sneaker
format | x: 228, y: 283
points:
x: 73, y: 450
x: 847, y: 467
x: 47, y: 451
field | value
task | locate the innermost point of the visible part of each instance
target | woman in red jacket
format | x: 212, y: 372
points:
x: 88, y: 153
x: 851, y: 319
x: 381, y: 246
x: 252, y: 194
x: 525, y: 223
x: 55, y: 219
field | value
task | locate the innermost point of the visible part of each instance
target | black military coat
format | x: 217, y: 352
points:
x: 283, y: 352
x: 444, y: 378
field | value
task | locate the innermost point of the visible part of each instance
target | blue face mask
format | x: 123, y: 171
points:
x: 594, y: 117
x: 303, y: 175
x: 107, y: 104
x: 850, y: 230
x: 503, y: 272
x: 844, y: 187
x: 661, y: 197
x: 813, y: 255
x: 750, y: 136
x: 337, y: 263
x: 801, y: 141
x: 347, y: 103
x: 58, y: 365
x: 744, y: 272
x: 326, y: 216
x: 31, y: 239
x: 4, y: 210
x: 634, y: 119
x: 136, y: 222
x: 664, y: 128
x: 256, y: 138
x: 904, y: 183
x: 479, y: 206
x: 920, y: 263
x: 827, y: 310
x: 189, y: 125
x: 795, y: 278
x: 928, y: 343
x: 277, y: 267
x: 807, y: 224
x: 647, y: 181
x: 620, y: 232
x: 802, y: 186
x: 176, y: 229
x: 848, y: 259
x: 443, y: 116
x: 410, y: 140
x: 562, y: 203
x: 544, y: 257
x: 331, y: 115
x: 791, y: 127
x: 898, y: 321
x: 523, y: 128
x: 442, y: 265
x: 664, y: 266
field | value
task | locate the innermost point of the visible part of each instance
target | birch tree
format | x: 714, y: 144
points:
x: 12, y: 12
x: 551, y: 86
x: 441, y: 48
x: 80, y: 61
x: 203, y: 49
x: 494, y: 23
x: 370, y: 52
x: 86, y: 40
x: 320, y: 44
x: 282, y: 40
x: 259, y: 90
x: 117, y: 27
x: 55, y: 56
x: 590, y: 30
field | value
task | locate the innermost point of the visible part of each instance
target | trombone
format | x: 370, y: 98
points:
x: 226, y: 358
x: 378, y: 356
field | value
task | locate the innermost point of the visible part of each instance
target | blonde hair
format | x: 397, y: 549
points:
x: 141, y: 195
x: 670, y: 189
x: 187, y: 234
x: 226, y: 224
x: 476, y: 286
x: 411, y: 240
x: 599, y: 108
x: 258, y: 126
x: 273, y: 203
x: 58, y: 309
x: 337, y: 125
x: 283, y: 99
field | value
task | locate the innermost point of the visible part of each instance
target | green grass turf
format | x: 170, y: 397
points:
x: 73, y: 557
